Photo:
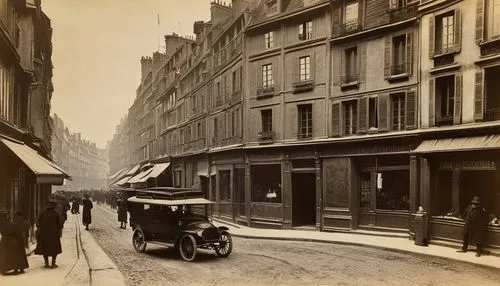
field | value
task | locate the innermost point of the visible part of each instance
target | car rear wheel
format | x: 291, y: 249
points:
x: 139, y: 240
x: 225, y: 246
x: 187, y: 247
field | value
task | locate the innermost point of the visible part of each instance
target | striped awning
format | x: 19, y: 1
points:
x: 473, y: 143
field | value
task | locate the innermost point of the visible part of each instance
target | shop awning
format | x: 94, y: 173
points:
x: 46, y: 172
x: 122, y: 181
x: 141, y: 177
x: 158, y: 169
x: 133, y: 170
x: 475, y: 143
x: 115, y: 175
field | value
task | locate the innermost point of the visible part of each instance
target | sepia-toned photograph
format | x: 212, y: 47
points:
x: 249, y: 142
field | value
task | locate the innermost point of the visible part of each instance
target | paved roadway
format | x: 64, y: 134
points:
x: 266, y: 262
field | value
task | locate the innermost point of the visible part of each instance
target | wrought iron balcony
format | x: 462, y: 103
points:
x: 265, y: 91
x: 303, y: 85
x: 444, y: 120
x: 492, y: 114
x: 304, y: 136
x: 267, y: 136
x: 349, y: 79
x: 399, y: 69
x: 348, y: 28
x: 398, y: 14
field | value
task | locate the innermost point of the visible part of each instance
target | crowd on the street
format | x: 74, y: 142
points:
x: 14, y: 228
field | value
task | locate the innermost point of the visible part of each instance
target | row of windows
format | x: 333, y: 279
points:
x: 304, y: 33
x: 304, y: 72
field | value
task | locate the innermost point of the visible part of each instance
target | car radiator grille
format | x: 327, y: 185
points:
x: 211, y: 234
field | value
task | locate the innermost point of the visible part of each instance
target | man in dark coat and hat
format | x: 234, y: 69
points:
x: 87, y: 215
x: 122, y: 213
x: 476, y: 219
x: 49, y: 234
x: 12, y: 253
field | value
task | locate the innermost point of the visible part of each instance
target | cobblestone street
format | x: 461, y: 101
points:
x: 264, y: 262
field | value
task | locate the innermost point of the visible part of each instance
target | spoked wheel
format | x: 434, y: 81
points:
x: 139, y: 240
x: 187, y: 247
x: 225, y: 244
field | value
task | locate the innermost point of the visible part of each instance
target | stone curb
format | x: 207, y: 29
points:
x: 100, y: 268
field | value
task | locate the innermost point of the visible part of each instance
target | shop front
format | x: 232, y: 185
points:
x: 369, y: 185
x: 453, y: 172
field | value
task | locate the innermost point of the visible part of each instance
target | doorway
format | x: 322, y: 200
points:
x: 239, y: 192
x: 303, y: 199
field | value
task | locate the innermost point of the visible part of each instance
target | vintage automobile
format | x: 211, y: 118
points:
x: 176, y: 217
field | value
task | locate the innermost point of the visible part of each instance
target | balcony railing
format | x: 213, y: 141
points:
x: 443, y: 120
x: 304, y: 136
x: 195, y: 145
x: 398, y: 14
x: 349, y: 79
x: 267, y: 136
x: 400, y: 69
x: 303, y: 85
x: 492, y: 114
x: 349, y: 28
x: 446, y: 50
x: 265, y: 91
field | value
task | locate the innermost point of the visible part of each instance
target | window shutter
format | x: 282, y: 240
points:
x: 313, y: 66
x: 409, y: 53
x: 337, y: 66
x: 343, y: 65
x: 479, y: 21
x: 295, y: 69
x: 431, y: 36
x: 457, y: 113
x: 363, y: 114
x: 362, y: 62
x: 361, y: 8
x: 383, y: 112
x: 411, y: 110
x: 432, y: 107
x: 336, y: 119
x: 458, y: 29
x: 336, y: 20
x: 387, y: 57
x: 479, y: 96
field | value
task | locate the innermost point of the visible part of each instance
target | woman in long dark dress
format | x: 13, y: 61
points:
x: 87, y: 215
x: 122, y: 213
x: 12, y: 253
x: 49, y: 234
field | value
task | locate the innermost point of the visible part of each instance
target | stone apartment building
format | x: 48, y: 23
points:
x: 88, y: 163
x: 353, y: 114
x: 26, y: 169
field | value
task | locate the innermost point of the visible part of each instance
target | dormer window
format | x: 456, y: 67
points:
x: 272, y: 7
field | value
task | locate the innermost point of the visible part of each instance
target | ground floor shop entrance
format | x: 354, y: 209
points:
x: 303, y: 199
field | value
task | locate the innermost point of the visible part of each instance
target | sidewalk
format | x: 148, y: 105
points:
x: 386, y: 243
x: 82, y: 262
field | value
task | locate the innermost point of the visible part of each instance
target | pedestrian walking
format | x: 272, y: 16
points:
x: 12, y: 253
x: 87, y: 215
x: 476, y: 219
x: 75, y: 206
x: 49, y: 234
x: 22, y: 226
x: 122, y: 213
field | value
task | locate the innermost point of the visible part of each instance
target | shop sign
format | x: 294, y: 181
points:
x: 468, y: 165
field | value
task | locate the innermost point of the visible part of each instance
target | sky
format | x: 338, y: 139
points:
x: 97, y: 46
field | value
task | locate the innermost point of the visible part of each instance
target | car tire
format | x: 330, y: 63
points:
x: 139, y: 240
x: 225, y: 246
x: 187, y: 247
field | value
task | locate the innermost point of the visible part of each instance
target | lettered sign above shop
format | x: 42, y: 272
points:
x: 468, y: 165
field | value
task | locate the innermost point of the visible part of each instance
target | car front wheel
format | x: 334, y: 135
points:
x: 225, y: 244
x: 139, y: 240
x: 187, y: 247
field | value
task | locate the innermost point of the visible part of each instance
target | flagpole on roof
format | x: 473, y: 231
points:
x: 158, y: 34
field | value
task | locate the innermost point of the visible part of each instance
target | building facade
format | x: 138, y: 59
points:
x: 340, y: 114
x: 26, y: 169
x: 82, y: 158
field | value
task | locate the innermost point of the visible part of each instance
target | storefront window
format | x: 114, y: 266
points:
x: 393, y: 190
x: 213, y: 187
x: 225, y: 185
x: 266, y: 183
x: 483, y: 184
x: 365, y: 191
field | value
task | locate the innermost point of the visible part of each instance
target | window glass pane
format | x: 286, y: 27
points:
x: 351, y: 12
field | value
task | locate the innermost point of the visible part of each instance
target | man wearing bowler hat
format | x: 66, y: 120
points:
x: 476, y: 219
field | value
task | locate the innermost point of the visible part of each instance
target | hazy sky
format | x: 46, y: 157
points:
x: 97, y: 45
